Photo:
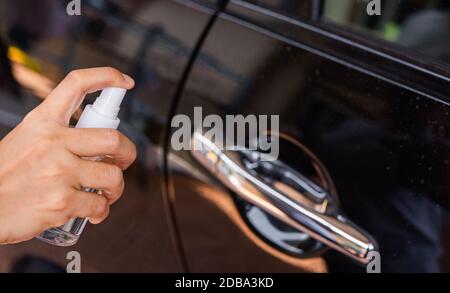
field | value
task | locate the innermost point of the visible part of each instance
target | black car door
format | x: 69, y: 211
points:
x: 363, y: 119
x: 150, y: 40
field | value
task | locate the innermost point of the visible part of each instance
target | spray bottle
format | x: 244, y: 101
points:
x: 102, y: 114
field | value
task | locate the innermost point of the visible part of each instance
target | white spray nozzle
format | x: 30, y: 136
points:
x: 108, y: 103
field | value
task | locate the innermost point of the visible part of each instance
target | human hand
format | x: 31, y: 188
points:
x: 41, y: 167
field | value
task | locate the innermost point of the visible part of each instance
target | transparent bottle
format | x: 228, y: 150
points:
x: 102, y: 114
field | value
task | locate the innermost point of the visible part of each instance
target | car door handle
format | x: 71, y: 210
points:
x: 308, y: 207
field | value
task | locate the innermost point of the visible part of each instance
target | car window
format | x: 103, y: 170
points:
x: 419, y: 25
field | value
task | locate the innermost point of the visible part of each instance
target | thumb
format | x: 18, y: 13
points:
x: 65, y: 99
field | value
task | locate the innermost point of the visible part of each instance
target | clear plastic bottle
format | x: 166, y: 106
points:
x: 102, y: 114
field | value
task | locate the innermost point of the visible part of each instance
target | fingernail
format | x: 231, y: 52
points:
x: 128, y: 79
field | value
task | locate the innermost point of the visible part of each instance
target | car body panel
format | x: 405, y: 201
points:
x: 376, y: 120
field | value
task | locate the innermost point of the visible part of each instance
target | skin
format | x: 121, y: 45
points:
x: 41, y: 167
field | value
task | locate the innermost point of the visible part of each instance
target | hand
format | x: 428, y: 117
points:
x: 41, y: 170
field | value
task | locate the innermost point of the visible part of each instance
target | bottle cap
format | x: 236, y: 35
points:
x: 108, y: 103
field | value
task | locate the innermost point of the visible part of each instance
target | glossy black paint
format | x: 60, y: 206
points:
x: 378, y: 118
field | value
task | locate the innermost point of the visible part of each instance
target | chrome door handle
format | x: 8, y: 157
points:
x: 308, y: 207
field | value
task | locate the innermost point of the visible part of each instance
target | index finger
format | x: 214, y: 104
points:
x: 69, y: 94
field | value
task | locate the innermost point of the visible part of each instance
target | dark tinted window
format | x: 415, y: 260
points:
x: 419, y: 25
